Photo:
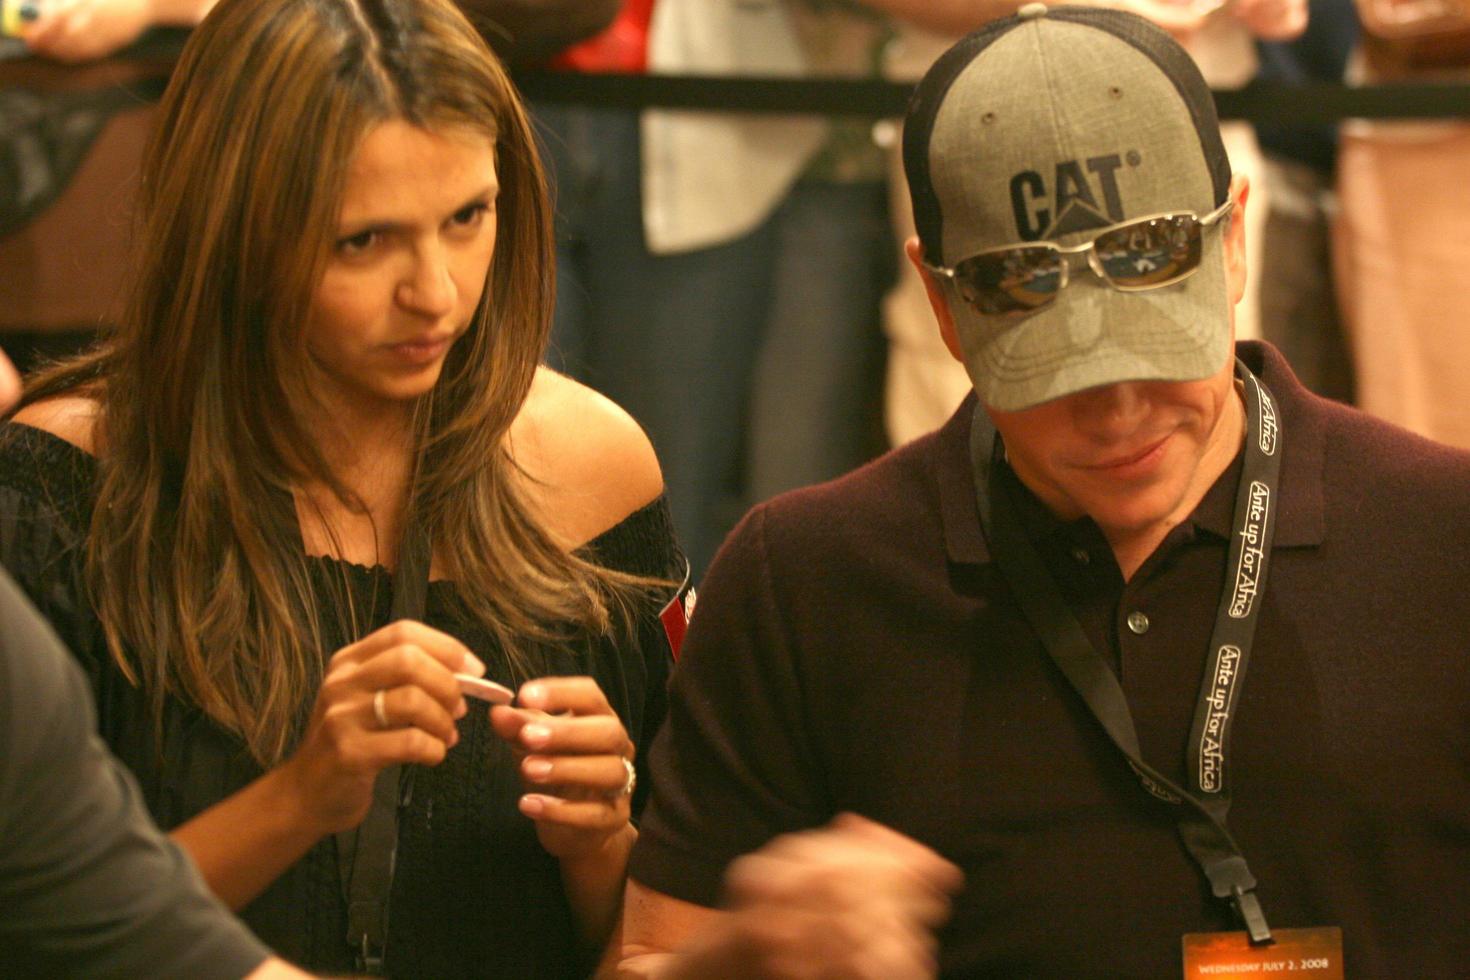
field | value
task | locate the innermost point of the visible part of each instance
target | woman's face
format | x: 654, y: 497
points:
x: 412, y: 248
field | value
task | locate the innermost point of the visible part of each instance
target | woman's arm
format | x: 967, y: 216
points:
x: 248, y: 840
x: 594, y: 887
x: 590, y: 466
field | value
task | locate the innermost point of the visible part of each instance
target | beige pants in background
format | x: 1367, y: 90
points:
x: 1402, y: 262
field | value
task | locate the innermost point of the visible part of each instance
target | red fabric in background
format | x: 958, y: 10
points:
x: 623, y: 47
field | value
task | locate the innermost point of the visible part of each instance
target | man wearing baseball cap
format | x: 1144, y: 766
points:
x: 1147, y: 663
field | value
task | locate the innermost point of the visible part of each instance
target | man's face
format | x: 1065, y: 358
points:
x: 1135, y: 457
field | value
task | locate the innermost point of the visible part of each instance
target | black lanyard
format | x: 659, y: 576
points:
x: 366, y: 854
x: 1202, y: 823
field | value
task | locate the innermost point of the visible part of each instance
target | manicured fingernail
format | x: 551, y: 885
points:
x: 535, y: 735
x: 533, y: 694
x: 533, y: 805
x: 537, y: 768
x: 473, y: 665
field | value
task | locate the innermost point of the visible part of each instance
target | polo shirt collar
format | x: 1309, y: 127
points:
x: 1300, y: 521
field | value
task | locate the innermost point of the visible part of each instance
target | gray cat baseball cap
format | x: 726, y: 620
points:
x: 1048, y: 126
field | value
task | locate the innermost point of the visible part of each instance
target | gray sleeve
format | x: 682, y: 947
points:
x: 88, y: 886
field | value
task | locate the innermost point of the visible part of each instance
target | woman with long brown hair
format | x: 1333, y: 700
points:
x: 322, y: 408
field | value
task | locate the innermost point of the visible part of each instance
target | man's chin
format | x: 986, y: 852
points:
x: 1140, y: 513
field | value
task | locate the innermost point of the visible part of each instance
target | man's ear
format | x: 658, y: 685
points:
x: 1234, y: 239
x: 942, y: 313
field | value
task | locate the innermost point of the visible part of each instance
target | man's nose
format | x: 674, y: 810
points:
x: 1111, y: 411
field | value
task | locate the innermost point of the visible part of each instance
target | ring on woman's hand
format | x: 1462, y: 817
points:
x: 379, y: 711
x: 631, y: 780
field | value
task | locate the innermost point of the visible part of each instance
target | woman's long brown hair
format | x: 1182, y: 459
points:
x: 200, y: 583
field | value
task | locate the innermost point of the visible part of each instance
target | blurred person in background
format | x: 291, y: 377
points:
x: 1298, y: 295
x: 10, y: 384
x: 722, y: 271
x: 1401, y: 246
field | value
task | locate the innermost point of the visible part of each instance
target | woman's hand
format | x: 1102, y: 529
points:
x: 388, y: 699
x: 576, y: 763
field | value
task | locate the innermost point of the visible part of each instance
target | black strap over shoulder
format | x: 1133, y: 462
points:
x: 367, y: 853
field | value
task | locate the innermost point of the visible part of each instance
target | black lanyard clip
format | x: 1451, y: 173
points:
x: 370, y: 958
x: 1230, y: 878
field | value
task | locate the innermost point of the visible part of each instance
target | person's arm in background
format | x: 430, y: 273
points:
x: 9, y: 383
x: 88, y: 886
x: 85, y: 30
x: 1269, y: 19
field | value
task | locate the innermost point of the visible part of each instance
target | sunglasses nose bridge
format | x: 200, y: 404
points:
x: 1093, y: 262
x: 1083, y: 256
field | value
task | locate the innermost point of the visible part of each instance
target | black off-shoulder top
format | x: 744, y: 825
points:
x: 474, y: 893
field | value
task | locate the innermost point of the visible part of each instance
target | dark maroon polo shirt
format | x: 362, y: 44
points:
x: 855, y: 649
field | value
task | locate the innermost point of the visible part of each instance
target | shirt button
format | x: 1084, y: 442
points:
x: 1138, y: 622
x: 1080, y: 556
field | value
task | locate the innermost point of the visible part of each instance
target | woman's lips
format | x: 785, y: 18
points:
x: 424, y: 350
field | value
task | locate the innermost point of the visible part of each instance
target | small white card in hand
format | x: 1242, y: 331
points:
x: 477, y: 687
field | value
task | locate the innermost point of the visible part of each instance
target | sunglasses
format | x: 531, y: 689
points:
x: 1146, y: 253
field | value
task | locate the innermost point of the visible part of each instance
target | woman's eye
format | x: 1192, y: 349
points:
x: 356, y: 244
x: 469, y: 215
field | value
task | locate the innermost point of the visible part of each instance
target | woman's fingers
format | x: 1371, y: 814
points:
x: 603, y: 775
x: 573, y: 755
x: 408, y: 666
x: 410, y: 707
x: 403, y: 746
x: 602, y: 815
x: 559, y: 695
x: 563, y: 735
x: 452, y: 654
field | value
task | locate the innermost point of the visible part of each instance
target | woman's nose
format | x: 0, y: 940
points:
x: 428, y: 288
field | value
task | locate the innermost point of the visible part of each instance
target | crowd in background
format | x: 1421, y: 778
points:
x: 735, y: 281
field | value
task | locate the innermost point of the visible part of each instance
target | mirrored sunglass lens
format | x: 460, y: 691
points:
x: 1150, y: 253
x: 1014, y: 280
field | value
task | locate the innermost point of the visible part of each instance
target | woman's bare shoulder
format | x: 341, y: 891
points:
x: 590, y: 464
x: 69, y: 417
